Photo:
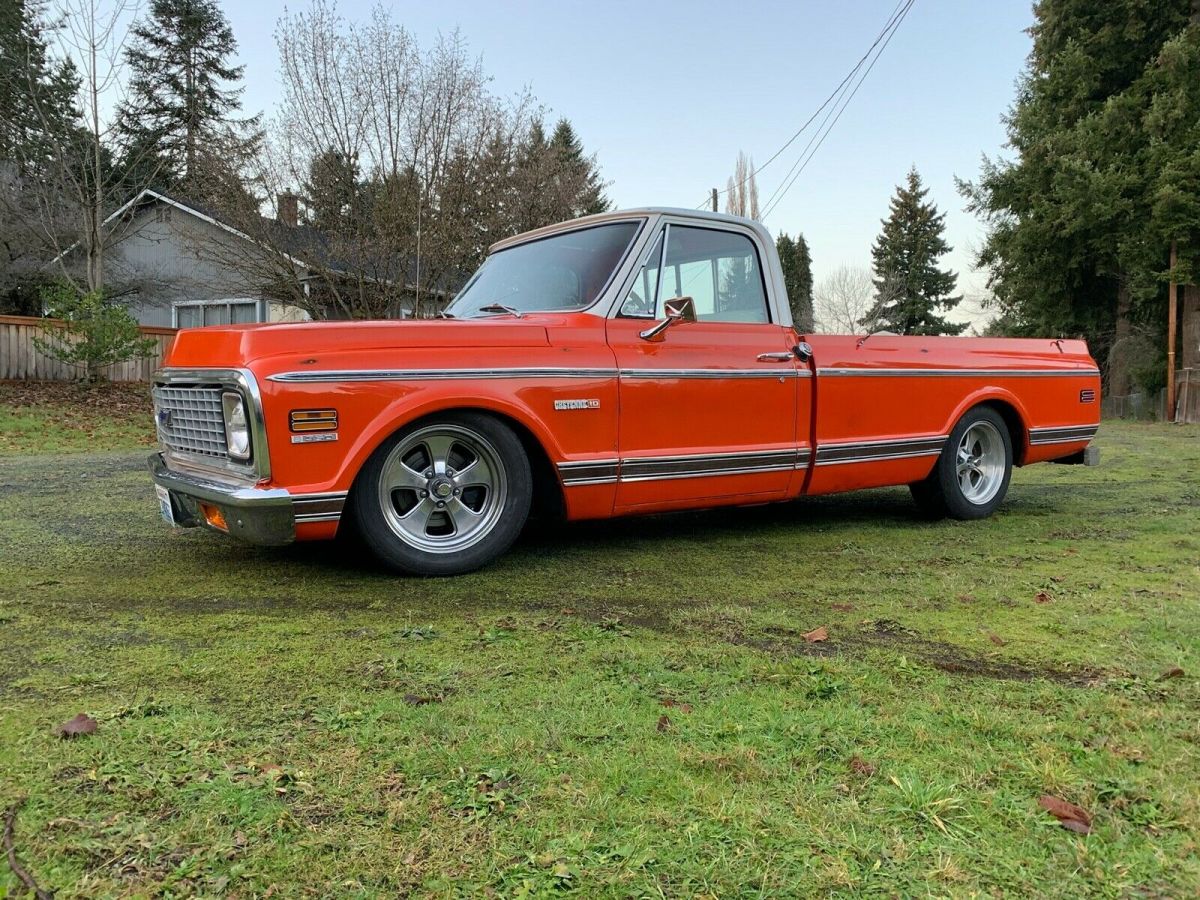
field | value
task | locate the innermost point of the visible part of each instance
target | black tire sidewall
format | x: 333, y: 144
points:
x: 393, y: 552
x: 946, y: 475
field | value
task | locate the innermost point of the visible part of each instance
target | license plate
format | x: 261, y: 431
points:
x: 164, y: 504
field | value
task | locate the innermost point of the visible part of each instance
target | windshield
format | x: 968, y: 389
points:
x: 554, y: 274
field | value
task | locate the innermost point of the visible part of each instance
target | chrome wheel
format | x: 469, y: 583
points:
x: 443, y: 488
x: 981, y: 463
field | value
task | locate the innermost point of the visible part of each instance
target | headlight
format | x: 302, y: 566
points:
x: 237, y: 428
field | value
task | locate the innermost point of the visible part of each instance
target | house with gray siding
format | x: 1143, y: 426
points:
x: 176, y: 264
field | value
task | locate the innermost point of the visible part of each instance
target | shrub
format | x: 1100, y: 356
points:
x: 96, y: 332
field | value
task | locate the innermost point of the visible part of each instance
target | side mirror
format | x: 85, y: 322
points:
x: 677, y: 309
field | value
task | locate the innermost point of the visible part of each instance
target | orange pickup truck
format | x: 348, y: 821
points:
x: 631, y: 362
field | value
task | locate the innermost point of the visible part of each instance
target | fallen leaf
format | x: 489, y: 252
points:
x: 671, y: 703
x: 664, y: 723
x: 81, y: 724
x: 817, y: 634
x: 842, y: 607
x: 996, y: 639
x: 860, y: 766
x: 1173, y: 672
x: 1042, y: 597
x: 1072, y: 817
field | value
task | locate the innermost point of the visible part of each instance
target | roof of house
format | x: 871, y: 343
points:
x: 302, y: 245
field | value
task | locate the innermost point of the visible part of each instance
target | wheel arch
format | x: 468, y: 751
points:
x: 548, y: 496
x: 1009, y: 408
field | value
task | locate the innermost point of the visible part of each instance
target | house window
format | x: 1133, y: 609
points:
x: 195, y: 313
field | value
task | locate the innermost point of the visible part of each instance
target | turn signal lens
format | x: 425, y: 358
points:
x: 237, y: 429
x: 214, y: 517
x: 313, y: 420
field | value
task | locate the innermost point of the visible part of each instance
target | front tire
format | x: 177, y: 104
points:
x: 972, y: 473
x: 444, y: 496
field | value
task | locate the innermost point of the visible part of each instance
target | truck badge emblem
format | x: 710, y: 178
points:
x: 576, y: 404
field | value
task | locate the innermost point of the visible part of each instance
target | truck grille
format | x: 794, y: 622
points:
x: 190, y: 420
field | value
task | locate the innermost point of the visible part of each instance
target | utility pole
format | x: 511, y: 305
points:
x: 714, y: 199
x: 1172, y: 290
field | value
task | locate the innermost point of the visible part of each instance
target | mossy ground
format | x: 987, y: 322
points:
x: 297, y: 722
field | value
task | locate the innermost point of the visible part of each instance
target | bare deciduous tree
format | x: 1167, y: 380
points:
x: 432, y: 155
x: 77, y: 187
x: 741, y: 191
x: 82, y: 174
x: 841, y: 300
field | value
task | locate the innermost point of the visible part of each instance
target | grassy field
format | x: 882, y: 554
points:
x: 623, y: 709
x: 64, y: 417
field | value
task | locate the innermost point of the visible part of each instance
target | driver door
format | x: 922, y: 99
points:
x: 708, y: 410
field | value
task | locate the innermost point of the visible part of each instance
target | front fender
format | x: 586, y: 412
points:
x: 370, y: 412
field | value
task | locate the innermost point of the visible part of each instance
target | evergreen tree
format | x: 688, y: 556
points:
x: 333, y: 191
x: 180, y: 119
x: 579, y: 174
x: 910, y: 289
x: 38, y: 119
x: 1104, y: 126
x: 37, y: 93
x: 796, y: 261
x: 533, y: 205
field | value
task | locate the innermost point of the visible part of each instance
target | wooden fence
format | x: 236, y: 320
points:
x: 20, y: 359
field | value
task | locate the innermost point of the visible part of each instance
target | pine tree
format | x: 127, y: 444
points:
x: 910, y: 289
x: 1080, y: 223
x: 180, y: 118
x: 37, y: 93
x: 579, y: 174
x: 796, y: 262
x: 333, y: 191
x: 38, y: 118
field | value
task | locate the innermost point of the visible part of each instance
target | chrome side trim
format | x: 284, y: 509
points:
x: 1065, y: 434
x: 877, y: 451
x: 318, y: 507
x: 603, y: 471
x: 539, y: 372
x: 436, y: 374
x: 955, y: 373
x: 661, y: 468
x: 716, y: 373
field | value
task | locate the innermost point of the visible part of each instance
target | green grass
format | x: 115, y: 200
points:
x: 295, y: 719
x: 65, y: 417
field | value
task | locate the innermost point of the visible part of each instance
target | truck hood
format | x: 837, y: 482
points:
x: 225, y: 346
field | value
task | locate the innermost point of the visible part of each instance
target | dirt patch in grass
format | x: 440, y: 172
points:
x: 941, y: 655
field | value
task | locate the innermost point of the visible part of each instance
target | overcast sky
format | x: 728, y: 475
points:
x: 667, y: 93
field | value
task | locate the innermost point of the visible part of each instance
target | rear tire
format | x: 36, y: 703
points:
x: 972, y: 473
x: 444, y: 496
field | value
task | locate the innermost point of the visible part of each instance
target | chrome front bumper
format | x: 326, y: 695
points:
x: 258, y: 515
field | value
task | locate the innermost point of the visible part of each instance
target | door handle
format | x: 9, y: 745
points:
x: 782, y: 356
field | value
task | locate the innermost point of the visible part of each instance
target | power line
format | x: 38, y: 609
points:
x: 786, y: 185
x: 897, y: 15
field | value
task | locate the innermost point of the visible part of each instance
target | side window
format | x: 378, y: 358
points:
x: 640, y: 300
x: 719, y: 270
